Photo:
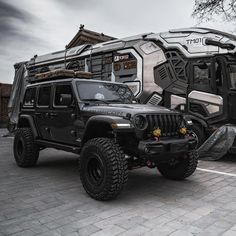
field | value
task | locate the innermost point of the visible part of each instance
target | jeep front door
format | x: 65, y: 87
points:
x: 63, y: 114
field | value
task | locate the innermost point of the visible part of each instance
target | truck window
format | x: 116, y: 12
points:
x: 44, y: 96
x: 232, y: 73
x: 62, y: 90
x: 202, y: 75
x: 29, y: 98
x: 219, y: 75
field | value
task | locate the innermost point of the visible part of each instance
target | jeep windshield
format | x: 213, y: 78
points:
x: 104, y: 92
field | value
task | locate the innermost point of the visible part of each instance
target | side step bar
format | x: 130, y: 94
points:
x: 59, y: 146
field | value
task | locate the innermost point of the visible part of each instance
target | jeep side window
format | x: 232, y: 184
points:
x: 44, y: 96
x: 29, y: 98
x: 62, y: 91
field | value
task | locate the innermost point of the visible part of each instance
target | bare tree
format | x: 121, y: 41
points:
x: 205, y: 10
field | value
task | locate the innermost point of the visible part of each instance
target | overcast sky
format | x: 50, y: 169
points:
x: 29, y: 27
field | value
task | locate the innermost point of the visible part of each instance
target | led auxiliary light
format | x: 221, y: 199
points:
x: 183, y: 130
x: 120, y: 125
x: 157, y: 132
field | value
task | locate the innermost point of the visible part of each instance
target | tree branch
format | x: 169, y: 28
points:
x: 205, y: 10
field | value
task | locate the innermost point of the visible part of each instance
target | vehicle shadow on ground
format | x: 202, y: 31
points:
x: 143, y: 182
x: 228, y: 158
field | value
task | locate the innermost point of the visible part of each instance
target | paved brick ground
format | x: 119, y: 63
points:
x: 49, y: 200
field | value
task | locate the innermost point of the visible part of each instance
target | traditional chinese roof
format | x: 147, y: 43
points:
x: 85, y: 36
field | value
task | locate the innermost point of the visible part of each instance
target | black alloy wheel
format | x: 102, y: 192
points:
x: 103, y: 168
x: 180, y: 168
x: 26, y: 152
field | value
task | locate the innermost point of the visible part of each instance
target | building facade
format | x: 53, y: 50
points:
x: 5, y: 93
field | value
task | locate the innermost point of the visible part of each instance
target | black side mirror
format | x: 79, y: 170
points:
x: 65, y: 99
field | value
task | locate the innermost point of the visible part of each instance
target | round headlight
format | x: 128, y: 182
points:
x: 140, y: 122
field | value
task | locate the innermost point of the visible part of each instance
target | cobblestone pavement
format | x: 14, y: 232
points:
x: 49, y: 200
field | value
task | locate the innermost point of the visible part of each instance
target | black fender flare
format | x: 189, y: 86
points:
x: 114, y: 123
x: 29, y: 119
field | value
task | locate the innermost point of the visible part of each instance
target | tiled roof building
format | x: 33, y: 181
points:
x: 85, y: 36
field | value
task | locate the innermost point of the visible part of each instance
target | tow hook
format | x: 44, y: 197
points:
x: 150, y: 164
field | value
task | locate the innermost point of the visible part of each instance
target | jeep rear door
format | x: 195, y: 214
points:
x: 42, y: 112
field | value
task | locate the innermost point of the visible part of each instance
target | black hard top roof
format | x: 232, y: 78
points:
x: 70, y: 80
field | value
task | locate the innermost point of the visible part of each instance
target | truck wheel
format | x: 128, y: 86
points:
x: 198, y: 132
x: 180, y: 168
x: 26, y: 152
x: 103, y: 168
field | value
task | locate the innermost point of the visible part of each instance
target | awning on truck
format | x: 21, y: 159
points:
x: 18, y: 89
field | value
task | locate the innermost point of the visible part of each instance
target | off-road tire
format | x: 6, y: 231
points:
x: 112, y: 165
x: 26, y: 152
x: 183, y: 168
x: 200, y: 134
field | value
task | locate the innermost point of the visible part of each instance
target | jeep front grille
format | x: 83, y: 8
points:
x: 168, y: 123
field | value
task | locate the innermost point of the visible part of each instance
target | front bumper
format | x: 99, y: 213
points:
x: 167, y: 146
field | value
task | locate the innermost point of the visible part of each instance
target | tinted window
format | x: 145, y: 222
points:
x: 202, y: 75
x: 44, y: 96
x: 232, y: 72
x: 29, y: 98
x: 219, y: 74
x: 60, y: 91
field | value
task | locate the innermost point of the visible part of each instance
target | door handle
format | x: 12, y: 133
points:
x: 53, y: 114
x: 37, y: 113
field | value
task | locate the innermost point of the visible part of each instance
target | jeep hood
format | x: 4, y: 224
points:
x: 124, y: 109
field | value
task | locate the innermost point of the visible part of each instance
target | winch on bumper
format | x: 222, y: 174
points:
x: 165, y: 147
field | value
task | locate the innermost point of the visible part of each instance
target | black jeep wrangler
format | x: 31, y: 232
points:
x: 103, y: 122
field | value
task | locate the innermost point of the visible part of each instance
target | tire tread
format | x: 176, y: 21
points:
x: 31, y: 150
x: 189, y: 167
x: 117, y: 166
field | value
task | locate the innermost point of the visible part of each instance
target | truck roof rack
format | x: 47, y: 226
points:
x: 60, y: 74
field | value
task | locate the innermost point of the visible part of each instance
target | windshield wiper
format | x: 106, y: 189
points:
x: 126, y: 101
x: 96, y: 100
x: 114, y: 100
